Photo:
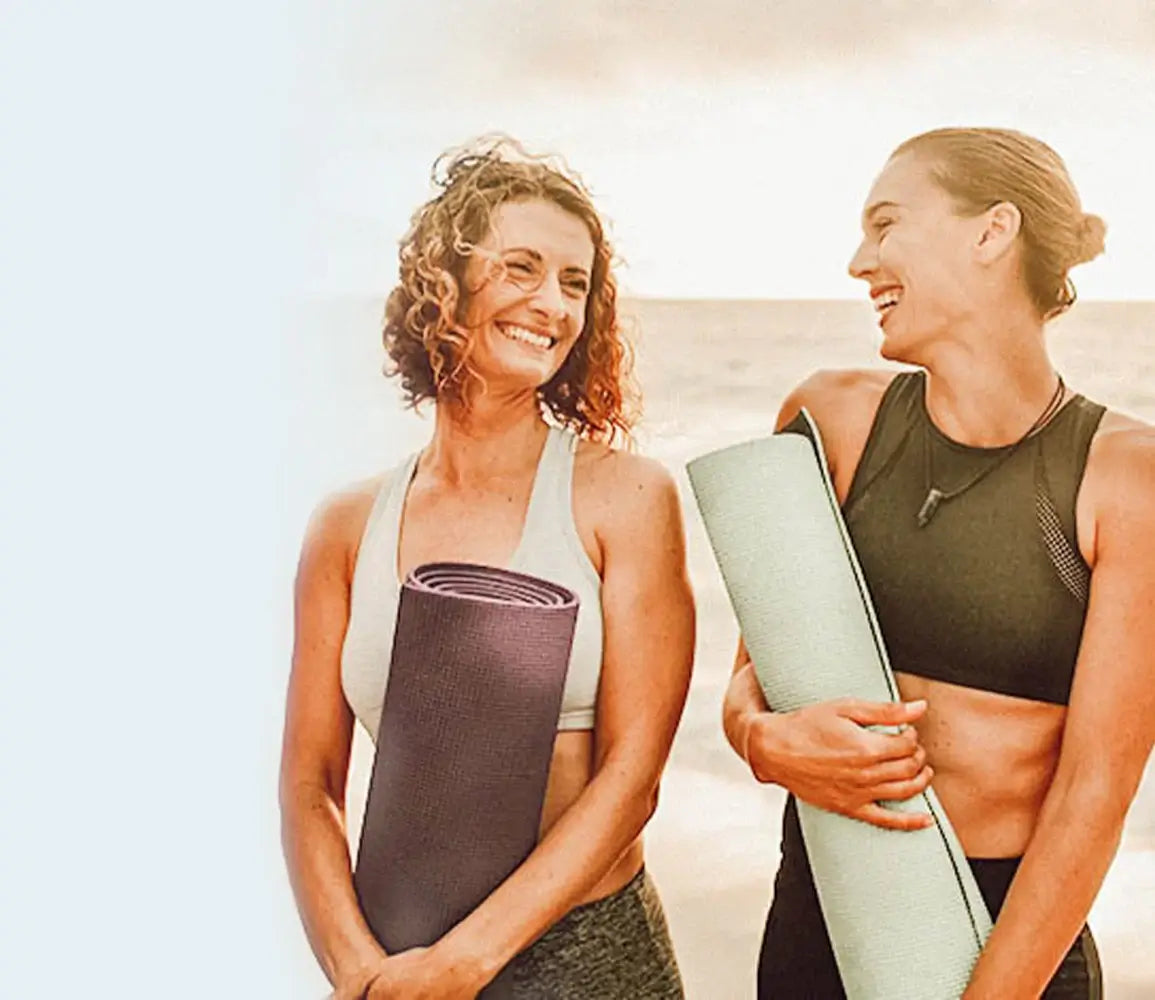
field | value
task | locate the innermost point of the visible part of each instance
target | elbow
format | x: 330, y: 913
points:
x: 300, y: 799
x: 638, y: 806
x: 309, y: 780
x: 1098, y: 799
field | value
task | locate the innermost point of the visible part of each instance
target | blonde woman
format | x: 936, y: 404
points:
x: 1006, y: 529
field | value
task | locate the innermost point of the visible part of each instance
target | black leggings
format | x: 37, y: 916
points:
x: 797, y: 963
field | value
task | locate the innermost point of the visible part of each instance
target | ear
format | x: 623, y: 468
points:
x: 1000, y: 225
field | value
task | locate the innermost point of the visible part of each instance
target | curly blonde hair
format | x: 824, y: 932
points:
x: 980, y: 167
x: 593, y: 393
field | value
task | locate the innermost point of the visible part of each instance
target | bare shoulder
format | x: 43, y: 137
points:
x: 626, y: 501
x: 843, y: 403
x: 1120, y: 473
x: 835, y: 395
x: 619, y: 479
x: 338, y: 522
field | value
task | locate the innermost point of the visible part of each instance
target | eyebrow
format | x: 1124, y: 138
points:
x: 876, y: 207
x: 539, y: 259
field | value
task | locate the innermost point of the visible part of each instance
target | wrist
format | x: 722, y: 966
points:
x: 744, y: 729
x: 761, y: 747
x: 736, y: 729
x: 350, y: 982
x: 355, y: 967
x: 739, y: 709
x: 469, y: 961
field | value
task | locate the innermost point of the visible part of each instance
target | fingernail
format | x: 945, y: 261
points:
x: 917, y: 703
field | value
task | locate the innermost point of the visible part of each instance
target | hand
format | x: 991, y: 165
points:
x: 825, y: 757
x: 422, y: 974
x: 353, y: 984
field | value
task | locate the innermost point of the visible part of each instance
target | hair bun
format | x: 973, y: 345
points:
x: 1092, y: 238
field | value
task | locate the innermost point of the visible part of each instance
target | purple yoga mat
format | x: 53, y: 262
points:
x: 464, y: 746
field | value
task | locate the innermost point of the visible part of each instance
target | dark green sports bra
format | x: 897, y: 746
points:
x: 992, y: 592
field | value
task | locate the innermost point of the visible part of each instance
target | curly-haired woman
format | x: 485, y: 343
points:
x: 505, y: 318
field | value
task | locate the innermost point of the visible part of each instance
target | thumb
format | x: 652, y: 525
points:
x: 883, y: 713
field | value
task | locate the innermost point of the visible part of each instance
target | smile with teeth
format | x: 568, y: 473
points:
x: 887, y: 300
x: 527, y: 336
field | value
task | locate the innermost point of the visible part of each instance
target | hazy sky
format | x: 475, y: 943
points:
x: 729, y: 143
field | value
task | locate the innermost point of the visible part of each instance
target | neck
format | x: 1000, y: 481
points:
x: 495, y: 438
x: 986, y: 387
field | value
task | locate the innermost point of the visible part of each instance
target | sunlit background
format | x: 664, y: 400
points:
x: 730, y: 143
x: 201, y: 210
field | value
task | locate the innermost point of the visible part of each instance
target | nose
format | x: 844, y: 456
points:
x: 865, y: 260
x: 547, y: 299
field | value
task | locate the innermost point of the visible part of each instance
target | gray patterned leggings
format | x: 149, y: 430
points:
x: 616, y: 948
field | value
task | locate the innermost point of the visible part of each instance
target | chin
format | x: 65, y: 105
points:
x: 890, y: 351
x: 518, y: 377
x: 900, y: 346
x: 509, y: 367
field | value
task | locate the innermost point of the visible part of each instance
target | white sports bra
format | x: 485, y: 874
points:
x: 549, y: 547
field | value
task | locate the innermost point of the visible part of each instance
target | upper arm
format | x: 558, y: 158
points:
x: 1111, y: 718
x: 318, y: 729
x: 843, y: 403
x: 647, y: 611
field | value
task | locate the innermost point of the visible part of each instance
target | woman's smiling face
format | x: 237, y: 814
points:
x: 918, y: 255
x: 527, y: 285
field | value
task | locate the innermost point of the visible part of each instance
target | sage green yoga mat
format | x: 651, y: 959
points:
x: 904, y: 914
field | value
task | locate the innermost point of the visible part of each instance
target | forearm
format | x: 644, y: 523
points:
x: 320, y: 871
x: 575, y: 854
x: 744, y: 701
x: 1076, y: 838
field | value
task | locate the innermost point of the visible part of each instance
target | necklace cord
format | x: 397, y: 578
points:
x: 935, y: 496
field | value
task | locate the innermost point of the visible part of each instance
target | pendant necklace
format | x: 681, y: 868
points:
x: 935, y: 496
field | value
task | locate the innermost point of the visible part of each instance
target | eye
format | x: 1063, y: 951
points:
x: 577, y: 286
x: 883, y: 224
x: 522, y: 271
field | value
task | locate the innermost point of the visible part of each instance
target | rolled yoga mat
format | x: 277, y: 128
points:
x: 903, y: 911
x: 464, y: 747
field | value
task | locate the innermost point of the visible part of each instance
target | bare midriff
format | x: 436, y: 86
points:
x: 571, y: 770
x: 994, y: 756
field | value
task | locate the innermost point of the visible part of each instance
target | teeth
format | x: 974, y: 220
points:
x: 527, y: 336
x: 887, y: 300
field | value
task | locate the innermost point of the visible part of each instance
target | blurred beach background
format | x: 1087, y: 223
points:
x: 201, y: 211
x: 713, y: 373
x: 731, y: 146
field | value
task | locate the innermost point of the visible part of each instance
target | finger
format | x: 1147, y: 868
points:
x: 900, y: 791
x: 892, y: 819
x: 895, y: 769
x: 882, y: 713
x: 882, y: 747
